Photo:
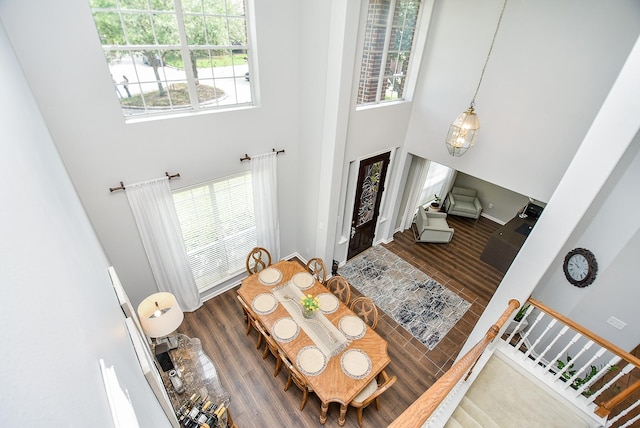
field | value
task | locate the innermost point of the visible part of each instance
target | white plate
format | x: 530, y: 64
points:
x: 352, y: 327
x: 285, y: 330
x: 303, y: 280
x: 264, y: 303
x: 355, y: 363
x: 311, y: 361
x: 328, y: 303
x: 270, y: 276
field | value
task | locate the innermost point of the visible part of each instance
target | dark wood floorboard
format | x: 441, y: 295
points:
x: 258, y: 399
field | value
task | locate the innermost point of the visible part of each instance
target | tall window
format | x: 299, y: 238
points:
x: 218, y: 226
x: 175, y: 55
x: 437, y: 182
x: 388, y: 43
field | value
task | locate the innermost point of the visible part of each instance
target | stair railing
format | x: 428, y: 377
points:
x: 574, y: 361
x: 425, y: 406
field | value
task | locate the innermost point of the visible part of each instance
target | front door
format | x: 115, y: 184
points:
x: 367, y: 204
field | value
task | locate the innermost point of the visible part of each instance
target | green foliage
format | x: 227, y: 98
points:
x: 568, y: 372
x: 521, y: 312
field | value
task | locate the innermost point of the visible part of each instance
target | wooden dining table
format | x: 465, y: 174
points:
x: 333, y: 383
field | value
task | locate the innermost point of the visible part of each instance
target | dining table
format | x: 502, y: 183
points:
x: 336, y: 353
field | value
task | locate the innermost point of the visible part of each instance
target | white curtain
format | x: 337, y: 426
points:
x: 415, y: 184
x: 155, y: 214
x: 264, y: 173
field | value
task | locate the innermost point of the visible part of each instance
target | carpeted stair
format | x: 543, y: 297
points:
x: 501, y: 397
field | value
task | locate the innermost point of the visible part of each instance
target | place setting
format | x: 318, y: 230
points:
x: 328, y: 303
x: 270, y: 276
x: 352, y: 327
x: 355, y: 363
x: 264, y: 303
x: 311, y: 361
x: 285, y: 330
x: 303, y: 280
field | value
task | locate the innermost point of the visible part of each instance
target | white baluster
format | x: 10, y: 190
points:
x: 529, y: 330
x: 573, y: 340
x: 601, y: 372
x: 586, y: 369
x: 553, y: 342
x: 626, y: 369
x: 623, y: 413
x: 584, y: 349
x: 549, y: 326
x: 517, y: 328
x: 566, y: 367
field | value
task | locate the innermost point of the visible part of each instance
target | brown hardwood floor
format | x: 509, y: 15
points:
x: 258, y: 399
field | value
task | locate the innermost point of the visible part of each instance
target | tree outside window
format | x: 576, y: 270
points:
x: 175, y: 55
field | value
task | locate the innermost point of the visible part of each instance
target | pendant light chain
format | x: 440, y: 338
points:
x: 473, y: 101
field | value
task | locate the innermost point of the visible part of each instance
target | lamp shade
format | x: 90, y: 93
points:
x: 463, y: 133
x: 160, y: 314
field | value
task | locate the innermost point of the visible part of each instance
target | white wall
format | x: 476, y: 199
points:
x: 570, y: 220
x: 58, y: 310
x: 613, y: 235
x: 74, y: 91
x: 552, y: 65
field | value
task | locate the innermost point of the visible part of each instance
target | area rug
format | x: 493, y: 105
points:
x: 414, y: 300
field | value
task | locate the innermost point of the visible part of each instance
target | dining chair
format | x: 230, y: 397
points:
x: 318, y: 269
x: 251, y: 321
x: 298, y: 380
x: 372, y: 393
x: 340, y: 287
x: 270, y: 346
x: 258, y: 259
x: 366, y: 309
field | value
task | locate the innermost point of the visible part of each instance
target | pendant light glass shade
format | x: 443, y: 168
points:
x: 463, y: 133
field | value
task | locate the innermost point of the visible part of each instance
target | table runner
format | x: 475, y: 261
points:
x: 325, y: 335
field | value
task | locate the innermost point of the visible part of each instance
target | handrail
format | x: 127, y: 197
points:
x: 580, y: 329
x: 604, y: 409
x: 418, y: 412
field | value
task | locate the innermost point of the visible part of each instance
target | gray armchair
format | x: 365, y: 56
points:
x: 432, y: 227
x: 463, y: 202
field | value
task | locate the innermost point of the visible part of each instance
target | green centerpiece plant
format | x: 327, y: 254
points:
x: 310, y: 305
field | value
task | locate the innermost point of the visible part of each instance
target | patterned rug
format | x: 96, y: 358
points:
x: 414, y: 300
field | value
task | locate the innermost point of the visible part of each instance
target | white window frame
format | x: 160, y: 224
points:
x: 240, y: 97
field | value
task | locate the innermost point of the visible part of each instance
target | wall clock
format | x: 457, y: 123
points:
x: 580, y: 267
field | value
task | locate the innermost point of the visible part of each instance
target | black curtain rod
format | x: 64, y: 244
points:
x: 121, y: 186
x: 247, y: 157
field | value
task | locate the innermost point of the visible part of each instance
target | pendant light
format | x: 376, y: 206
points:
x: 464, y: 130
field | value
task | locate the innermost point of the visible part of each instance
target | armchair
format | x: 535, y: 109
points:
x: 463, y: 202
x: 432, y: 227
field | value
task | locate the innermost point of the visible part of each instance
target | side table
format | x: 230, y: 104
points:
x: 198, y: 375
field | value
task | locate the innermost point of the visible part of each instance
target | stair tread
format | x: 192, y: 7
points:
x: 509, y: 399
x: 464, y: 419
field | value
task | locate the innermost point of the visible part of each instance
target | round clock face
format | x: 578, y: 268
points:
x: 580, y: 267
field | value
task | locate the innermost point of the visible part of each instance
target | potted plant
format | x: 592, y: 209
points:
x: 515, y: 322
x: 436, y: 201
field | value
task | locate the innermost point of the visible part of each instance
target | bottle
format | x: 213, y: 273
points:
x: 214, y: 416
x: 185, y: 409
x: 202, y: 417
x: 190, y: 420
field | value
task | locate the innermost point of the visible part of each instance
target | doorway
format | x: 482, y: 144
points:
x: 370, y: 186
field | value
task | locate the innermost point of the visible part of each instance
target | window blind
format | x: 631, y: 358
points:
x: 218, y: 225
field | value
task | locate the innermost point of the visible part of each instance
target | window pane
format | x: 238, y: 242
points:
x: 142, y: 41
x: 386, y: 46
x: 218, y: 227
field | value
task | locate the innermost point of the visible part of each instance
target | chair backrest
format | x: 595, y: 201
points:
x: 366, y: 310
x: 318, y: 269
x: 340, y: 287
x: 258, y: 259
x: 464, y: 191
